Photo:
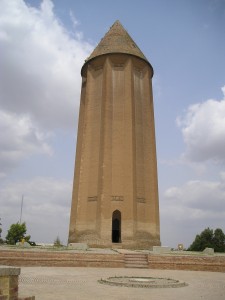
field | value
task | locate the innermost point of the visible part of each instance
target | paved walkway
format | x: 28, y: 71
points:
x: 82, y: 283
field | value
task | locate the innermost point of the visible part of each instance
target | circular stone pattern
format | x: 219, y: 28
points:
x: 143, y: 282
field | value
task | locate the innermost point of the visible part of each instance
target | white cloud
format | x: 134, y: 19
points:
x: 19, y: 138
x: 39, y: 79
x: 206, y: 196
x: 186, y: 210
x: 203, y: 130
x: 46, y: 207
x: 40, y: 64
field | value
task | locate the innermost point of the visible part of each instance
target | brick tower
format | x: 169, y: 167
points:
x: 115, y: 191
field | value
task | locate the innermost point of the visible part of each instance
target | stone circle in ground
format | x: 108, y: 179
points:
x: 143, y: 282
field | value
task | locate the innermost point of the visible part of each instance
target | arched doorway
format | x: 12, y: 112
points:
x: 116, y: 227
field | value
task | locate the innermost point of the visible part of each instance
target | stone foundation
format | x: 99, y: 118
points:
x: 136, y: 244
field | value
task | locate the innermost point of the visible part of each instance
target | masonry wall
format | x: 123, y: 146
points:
x: 9, y: 284
x: 61, y: 259
x: 116, y: 169
x: 187, y: 262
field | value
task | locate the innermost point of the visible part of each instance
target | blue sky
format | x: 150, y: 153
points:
x: 43, y: 46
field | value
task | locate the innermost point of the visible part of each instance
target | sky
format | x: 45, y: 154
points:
x: 43, y: 45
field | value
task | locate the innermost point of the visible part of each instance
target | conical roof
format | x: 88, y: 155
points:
x: 116, y: 40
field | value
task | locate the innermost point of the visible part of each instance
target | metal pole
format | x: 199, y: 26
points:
x: 21, y: 210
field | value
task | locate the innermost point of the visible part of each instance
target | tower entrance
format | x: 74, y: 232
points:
x: 116, y: 227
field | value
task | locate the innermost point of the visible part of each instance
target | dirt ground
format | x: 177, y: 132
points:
x: 57, y: 283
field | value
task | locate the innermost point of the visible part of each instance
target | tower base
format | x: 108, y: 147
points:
x: 93, y: 241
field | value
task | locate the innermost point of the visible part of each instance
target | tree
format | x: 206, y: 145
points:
x: 57, y: 242
x: 16, y: 233
x: 219, y: 240
x: 1, y: 240
x: 209, y: 239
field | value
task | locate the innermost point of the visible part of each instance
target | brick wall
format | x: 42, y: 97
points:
x: 70, y: 259
x: 61, y: 259
x: 187, y: 262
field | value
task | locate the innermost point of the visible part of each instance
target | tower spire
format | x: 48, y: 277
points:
x: 117, y: 40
